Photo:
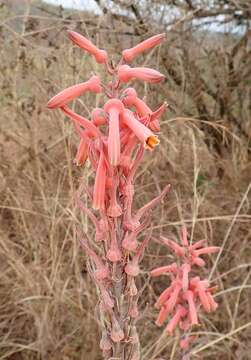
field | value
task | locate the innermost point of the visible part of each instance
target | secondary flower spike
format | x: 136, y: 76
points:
x: 85, y: 44
x: 182, y: 299
x: 130, y: 54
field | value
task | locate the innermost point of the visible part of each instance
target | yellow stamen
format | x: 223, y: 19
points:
x: 151, y: 142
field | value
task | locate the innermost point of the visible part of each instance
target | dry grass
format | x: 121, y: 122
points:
x: 47, y: 306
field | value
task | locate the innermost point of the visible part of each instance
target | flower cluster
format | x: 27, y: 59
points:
x: 187, y: 292
x: 114, y: 141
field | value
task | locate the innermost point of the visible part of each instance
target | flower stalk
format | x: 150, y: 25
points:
x: 114, y: 141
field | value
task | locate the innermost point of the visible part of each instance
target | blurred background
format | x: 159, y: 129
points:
x: 47, y: 300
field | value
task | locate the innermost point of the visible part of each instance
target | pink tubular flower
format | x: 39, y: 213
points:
x: 67, y: 95
x: 164, y: 296
x: 82, y: 153
x: 181, y: 312
x: 189, y: 297
x: 80, y: 120
x: 200, y: 288
x: 172, y: 245
x: 169, y: 305
x: 131, y: 99
x: 164, y: 269
x: 87, y: 45
x: 114, y: 108
x: 141, y: 131
x: 127, y: 73
x: 185, y: 269
x: 99, y: 186
x: 132, y: 53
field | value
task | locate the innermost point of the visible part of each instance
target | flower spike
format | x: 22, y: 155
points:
x: 186, y: 292
x: 114, y: 142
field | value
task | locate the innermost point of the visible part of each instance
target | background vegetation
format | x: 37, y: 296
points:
x: 47, y: 300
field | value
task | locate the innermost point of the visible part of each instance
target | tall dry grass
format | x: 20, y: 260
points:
x: 47, y: 306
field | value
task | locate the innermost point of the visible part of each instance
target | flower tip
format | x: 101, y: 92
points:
x: 151, y: 142
x: 112, y: 104
x: 52, y: 103
x: 130, y: 91
x: 160, y: 38
x: 49, y: 106
x: 71, y: 33
x: 152, y: 273
x: 95, y: 84
x: 101, y: 56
